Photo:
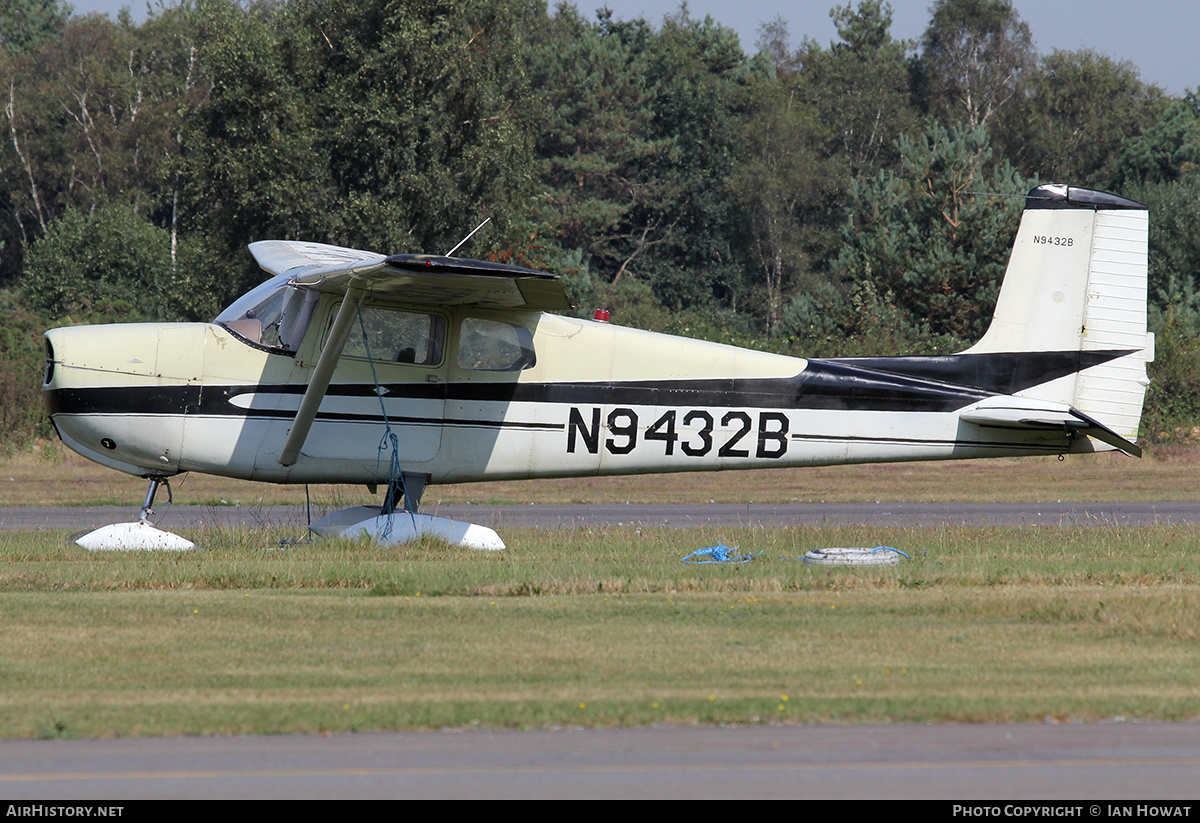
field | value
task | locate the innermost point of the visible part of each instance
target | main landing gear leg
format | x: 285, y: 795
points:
x: 411, y: 489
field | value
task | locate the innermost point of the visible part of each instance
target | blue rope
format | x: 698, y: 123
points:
x: 389, y: 441
x: 719, y: 553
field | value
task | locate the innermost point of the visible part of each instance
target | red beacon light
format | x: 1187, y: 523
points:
x: 601, y: 315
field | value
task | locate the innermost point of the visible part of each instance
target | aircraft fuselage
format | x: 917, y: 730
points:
x: 590, y: 399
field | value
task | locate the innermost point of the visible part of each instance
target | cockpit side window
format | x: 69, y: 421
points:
x: 398, y: 337
x: 494, y: 345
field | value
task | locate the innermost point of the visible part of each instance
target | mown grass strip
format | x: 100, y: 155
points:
x: 594, y: 627
x: 55, y: 476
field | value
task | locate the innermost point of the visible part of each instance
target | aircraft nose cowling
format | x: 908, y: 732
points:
x: 118, y: 394
x: 172, y: 351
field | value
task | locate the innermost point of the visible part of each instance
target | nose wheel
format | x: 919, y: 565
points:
x: 147, y: 509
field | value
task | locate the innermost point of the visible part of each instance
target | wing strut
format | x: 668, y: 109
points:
x: 318, y: 384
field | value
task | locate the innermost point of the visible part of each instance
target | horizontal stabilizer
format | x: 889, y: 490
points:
x: 1026, y: 413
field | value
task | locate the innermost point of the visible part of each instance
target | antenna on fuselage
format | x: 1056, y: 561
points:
x: 468, y: 237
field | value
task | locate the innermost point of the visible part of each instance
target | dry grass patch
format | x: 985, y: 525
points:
x: 53, y: 476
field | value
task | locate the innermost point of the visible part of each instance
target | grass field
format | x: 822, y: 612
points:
x: 606, y: 627
x: 598, y: 627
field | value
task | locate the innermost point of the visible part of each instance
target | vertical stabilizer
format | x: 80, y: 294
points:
x: 1077, y: 282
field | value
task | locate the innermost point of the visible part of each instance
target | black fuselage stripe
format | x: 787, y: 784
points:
x: 378, y: 419
x: 908, y: 384
x: 824, y: 390
x: 998, y: 372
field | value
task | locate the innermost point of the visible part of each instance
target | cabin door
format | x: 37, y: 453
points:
x: 391, y: 376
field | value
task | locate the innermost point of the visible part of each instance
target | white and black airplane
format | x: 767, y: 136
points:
x: 302, y: 379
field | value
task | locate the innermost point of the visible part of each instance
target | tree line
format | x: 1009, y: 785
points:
x: 859, y: 196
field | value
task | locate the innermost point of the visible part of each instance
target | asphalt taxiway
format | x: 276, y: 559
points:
x: 1089, y: 765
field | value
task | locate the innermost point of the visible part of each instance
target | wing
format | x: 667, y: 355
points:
x: 305, y: 259
x: 413, y: 278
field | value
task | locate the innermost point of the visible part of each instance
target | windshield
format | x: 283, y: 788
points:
x: 275, y: 314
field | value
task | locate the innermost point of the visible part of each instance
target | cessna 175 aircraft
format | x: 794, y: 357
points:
x: 299, y: 379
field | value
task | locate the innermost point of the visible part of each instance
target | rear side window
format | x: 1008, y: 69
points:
x: 493, y: 345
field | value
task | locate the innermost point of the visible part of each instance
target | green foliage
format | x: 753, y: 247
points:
x: 26, y: 24
x: 632, y: 303
x: 384, y: 125
x: 934, y: 237
x: 781, y: 181
x: 1174, y: 246
x: 974, y: 57
x: 861, y: 87
x: 22, y: 360
x: 110, y: 265
x: 1080, y: 109
x: 92, y: 118
x: 250, y: 166
x: 1166, y: 150
x: 827, y: 322
x: 828, y: 117
x: 698, y: 70
x: 595, y: 144
x: 638, y: 146
x: 1172, y: 405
